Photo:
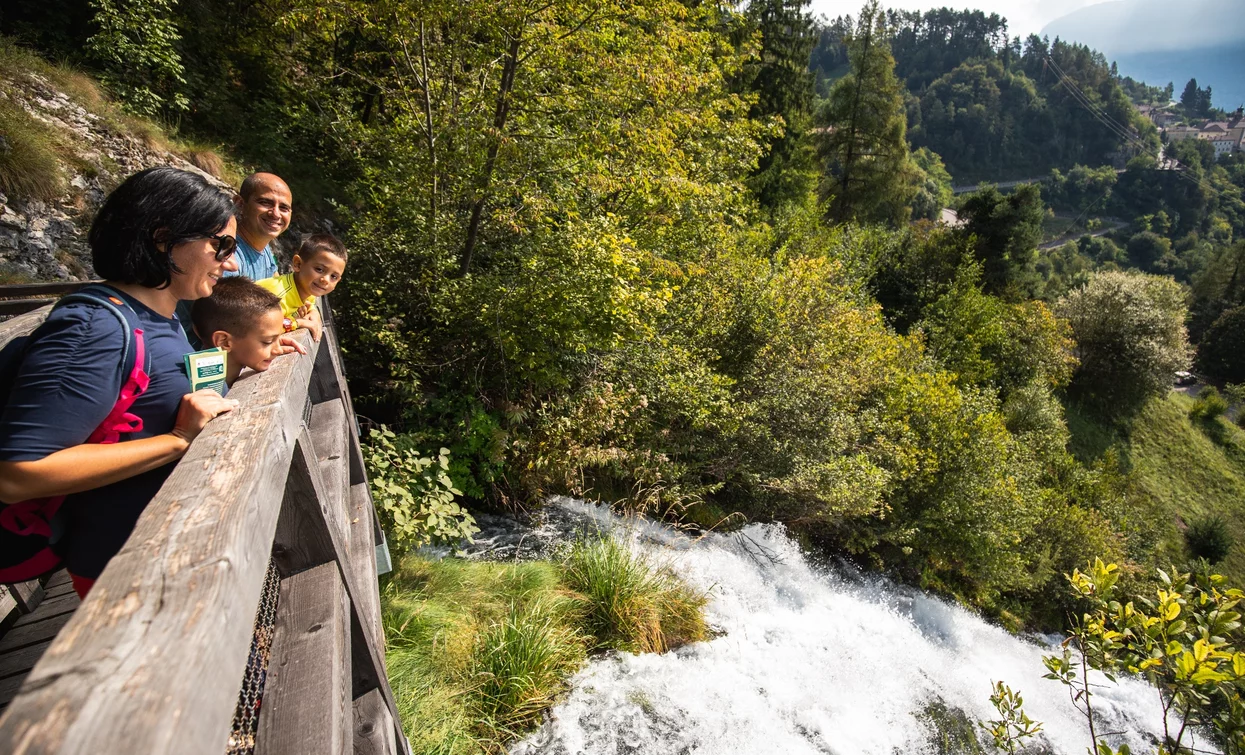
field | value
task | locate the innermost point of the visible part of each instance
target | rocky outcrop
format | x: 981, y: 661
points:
x: 47, y: 240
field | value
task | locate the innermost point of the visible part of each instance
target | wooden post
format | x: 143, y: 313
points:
x: 307, y: 705
x: 374, y: 732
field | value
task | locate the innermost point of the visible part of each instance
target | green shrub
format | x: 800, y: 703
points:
x: 135, y: 46
x: 414, y: 494
x: 1208, y: 538
x: 1209, y: 405
x: 631, y: 603
x: 520, y: 663
x: 28, y: 167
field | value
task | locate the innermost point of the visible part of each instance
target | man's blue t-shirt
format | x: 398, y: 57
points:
x: 67, y: 384
x: 255, y: 264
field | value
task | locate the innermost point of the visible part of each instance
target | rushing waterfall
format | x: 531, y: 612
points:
x: 808, y: 660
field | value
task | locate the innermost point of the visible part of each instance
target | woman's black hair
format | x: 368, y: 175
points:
x: 146, y: 216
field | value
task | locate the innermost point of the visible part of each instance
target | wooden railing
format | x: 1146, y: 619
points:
x: 153, y: 659
x: 20, y: 298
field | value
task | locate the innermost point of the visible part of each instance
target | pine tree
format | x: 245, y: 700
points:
x: 1191, y: 98
x: 862, y: 139
x: 784, y: 86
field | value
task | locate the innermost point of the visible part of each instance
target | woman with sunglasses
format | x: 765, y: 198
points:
x: 162, y: 236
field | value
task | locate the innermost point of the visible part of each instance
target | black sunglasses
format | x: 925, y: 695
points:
x: 225, y: 245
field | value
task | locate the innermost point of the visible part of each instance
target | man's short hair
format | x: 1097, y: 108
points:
x: 321, y: 242
x: 235, y: 306
x: 254, y: 183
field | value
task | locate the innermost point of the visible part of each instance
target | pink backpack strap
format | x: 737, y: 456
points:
x: 120, y: 420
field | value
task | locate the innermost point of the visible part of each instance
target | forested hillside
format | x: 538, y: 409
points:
x: 645, y: 253
x: 995, y: 108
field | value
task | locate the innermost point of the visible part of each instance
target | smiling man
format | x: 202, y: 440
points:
x: 266, y: 206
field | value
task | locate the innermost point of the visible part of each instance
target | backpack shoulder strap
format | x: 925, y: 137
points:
x: 118, y: 307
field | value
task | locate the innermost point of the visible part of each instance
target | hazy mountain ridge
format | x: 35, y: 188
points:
x: 1157, y: 42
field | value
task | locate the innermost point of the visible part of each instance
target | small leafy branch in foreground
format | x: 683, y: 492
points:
x: 1013, y: 725
x: 414, y: 495
x: 1185, y: 641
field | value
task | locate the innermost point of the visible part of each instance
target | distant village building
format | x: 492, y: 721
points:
x: 1228, y: 137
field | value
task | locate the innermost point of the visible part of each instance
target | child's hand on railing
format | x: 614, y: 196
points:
x: 312, y: 323
x: 289, y: 344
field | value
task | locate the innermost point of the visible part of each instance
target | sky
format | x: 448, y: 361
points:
x: 1024, y: 17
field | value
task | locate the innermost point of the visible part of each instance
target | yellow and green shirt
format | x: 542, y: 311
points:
x: 284, y: 286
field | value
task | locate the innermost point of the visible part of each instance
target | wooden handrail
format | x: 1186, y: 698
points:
x: 152, y: 660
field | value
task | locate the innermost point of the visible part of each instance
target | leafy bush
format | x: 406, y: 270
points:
x: 1209, y: 405
x: 1208, y: 538
x: 1130, y: 338
x: 1184, y: 638
x: 630, y: 603
x: 414, y: 494
x: 136, y: 48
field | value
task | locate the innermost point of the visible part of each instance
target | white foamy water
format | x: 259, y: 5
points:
x: 810, y: 660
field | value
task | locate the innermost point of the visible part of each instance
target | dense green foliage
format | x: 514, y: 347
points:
x: 589, y: 255
x: 414, y: 495
x: 477, y: 650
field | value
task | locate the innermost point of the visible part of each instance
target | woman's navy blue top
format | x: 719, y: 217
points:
x: 67, y: 384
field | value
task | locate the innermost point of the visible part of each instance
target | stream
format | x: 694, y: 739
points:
x: 808, y: 659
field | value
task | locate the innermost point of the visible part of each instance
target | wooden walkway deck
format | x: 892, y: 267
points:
x: 22, y: 643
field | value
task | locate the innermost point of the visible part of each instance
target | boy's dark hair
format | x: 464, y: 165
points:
x: 235, y: 306
x: 321, y: 242
x: 149, y: 210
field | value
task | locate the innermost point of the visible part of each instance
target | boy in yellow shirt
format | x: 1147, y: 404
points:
x: 244, y: 321
x: 316, y: 270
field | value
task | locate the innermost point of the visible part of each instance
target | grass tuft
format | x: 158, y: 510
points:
x: 630, y: 603
x: 477, y: 650
x: 28, y: 158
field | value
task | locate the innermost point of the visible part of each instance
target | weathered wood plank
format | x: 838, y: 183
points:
x: 27, y: 595
x: 304, y: 539
x: 307, y: 708
x: 56, y: 591
x: 20, y: 306
x: 22, y: 324
x: 21, y: 660
x: 307, y: 533
x: 42, y: 630
x: 374, y: 732
x: 150, y: 662
x: 363, y: 564
x: 328, y: 437
x: 57, y: 579
x: 8, y: 690
x: 49, y: 608
x: 42, y: 289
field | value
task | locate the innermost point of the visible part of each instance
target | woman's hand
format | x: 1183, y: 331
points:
x: 196, y: 410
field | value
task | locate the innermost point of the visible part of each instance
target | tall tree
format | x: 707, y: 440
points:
x: 1194, y: 100
x: 783, y: 84
x: 1007, y: 229
x: 863, y: 130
